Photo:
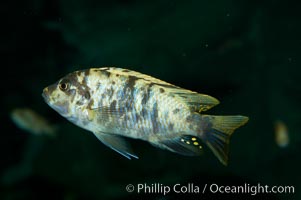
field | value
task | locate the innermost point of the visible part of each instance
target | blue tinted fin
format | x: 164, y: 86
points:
x: 117, y: 143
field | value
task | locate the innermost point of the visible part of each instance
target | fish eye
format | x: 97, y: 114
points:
x: 64, y: 86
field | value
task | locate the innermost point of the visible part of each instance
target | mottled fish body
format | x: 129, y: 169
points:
x: 114, y: 103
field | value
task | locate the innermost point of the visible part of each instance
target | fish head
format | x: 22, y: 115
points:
x: 69, y: 96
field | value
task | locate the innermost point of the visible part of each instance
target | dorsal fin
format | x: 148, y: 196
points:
x: 139, y: 75
x: 196, y: 102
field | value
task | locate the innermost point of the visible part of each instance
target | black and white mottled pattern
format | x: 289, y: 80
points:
x: 113, y: 102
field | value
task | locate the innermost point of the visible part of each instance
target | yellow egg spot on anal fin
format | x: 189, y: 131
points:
x: 178, y: 146
x: 196, y: 143
x: 193, y: 139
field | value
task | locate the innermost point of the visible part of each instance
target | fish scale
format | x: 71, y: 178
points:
x: 115, y: 104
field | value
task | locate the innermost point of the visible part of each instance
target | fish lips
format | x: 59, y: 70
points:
x: 45, y: 97
x: 48, y: 91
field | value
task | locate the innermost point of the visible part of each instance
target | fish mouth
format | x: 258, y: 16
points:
x: 45, y: 96
x: 60, y: 107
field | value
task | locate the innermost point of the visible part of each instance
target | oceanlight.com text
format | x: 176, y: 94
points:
x: 213, y: 188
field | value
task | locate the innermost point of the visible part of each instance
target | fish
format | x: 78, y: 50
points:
x: 281, y: 134
x: 115, y: 104
x: 32, y: 122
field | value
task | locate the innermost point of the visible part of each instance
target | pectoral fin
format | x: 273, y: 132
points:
x: 185, y: 145
x: 117, y: 143
x: 106, y: 112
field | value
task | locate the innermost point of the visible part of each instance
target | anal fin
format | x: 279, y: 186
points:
x: 117, y: 143
x: 186, y: 145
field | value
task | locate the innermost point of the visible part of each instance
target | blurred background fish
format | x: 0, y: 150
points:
x: 32, y: 122
x: 281, y: 134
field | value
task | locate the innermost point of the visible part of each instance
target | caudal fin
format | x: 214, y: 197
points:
x: 217, y: 134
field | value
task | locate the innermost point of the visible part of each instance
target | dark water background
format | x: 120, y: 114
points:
x: 245, y: 53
